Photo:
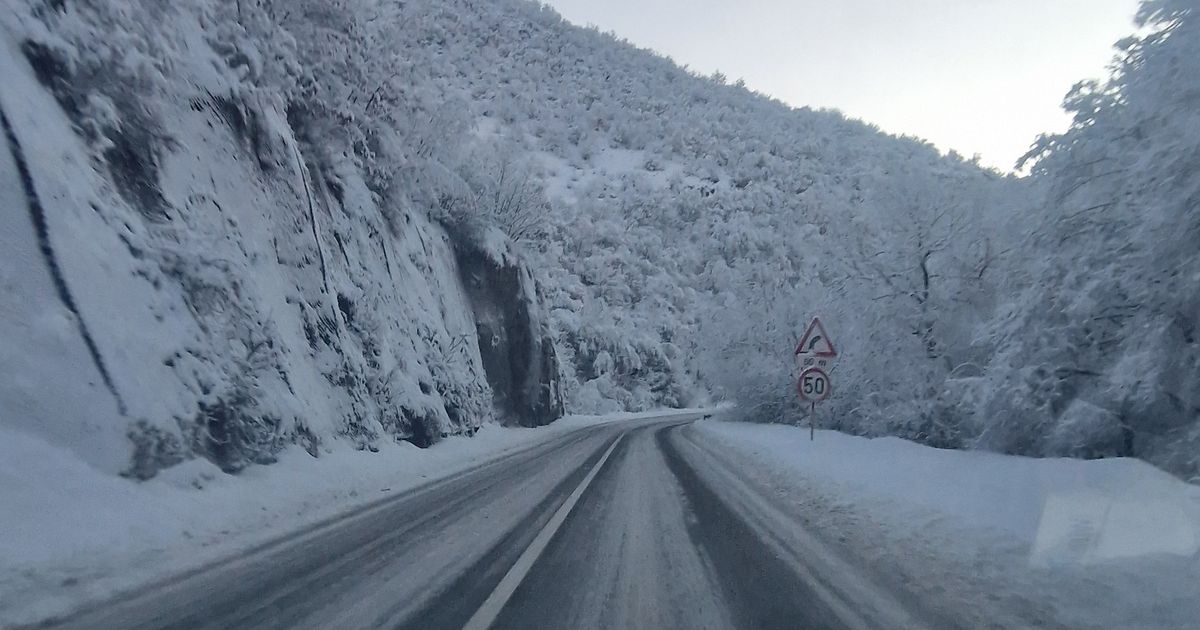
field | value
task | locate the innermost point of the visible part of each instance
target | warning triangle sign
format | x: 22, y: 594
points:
x: 816, y: 341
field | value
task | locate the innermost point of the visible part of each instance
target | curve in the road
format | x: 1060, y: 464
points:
x: 619, y: 526
x: 652, y: 546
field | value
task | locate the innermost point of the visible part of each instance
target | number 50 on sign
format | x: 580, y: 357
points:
x: 814, y: 385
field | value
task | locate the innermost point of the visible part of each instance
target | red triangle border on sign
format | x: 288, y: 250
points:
x: 816, y: 326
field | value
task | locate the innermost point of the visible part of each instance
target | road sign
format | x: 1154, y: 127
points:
x: 814, y: 385
x: 816, y: 342
x: 814, y: 352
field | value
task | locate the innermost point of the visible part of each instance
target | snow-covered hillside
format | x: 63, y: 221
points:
x: 254, y: 224
x: 238, y: 233
x: 189, y: 275
x: 248, y: 227
x: 652, y: 200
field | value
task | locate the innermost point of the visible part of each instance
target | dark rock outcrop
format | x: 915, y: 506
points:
x: 514, y: 341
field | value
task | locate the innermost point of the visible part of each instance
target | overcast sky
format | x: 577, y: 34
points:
x: 976, y: 76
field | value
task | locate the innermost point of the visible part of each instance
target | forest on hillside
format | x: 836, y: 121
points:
x: 683, y: 229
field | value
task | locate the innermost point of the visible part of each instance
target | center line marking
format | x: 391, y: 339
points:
x: 487, y: 613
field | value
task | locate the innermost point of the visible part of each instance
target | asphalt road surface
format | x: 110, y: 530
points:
x: 628, y: 525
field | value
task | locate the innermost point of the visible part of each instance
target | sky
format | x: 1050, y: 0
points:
x: 977, y: 76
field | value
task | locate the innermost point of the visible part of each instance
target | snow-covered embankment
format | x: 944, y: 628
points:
x: 1004, y: 541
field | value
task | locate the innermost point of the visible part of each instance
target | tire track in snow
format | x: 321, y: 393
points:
x: 764, y: 591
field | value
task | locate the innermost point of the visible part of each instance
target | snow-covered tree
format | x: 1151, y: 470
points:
x: 1098, y: 355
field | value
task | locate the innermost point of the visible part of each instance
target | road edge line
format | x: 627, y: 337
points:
x: 281, y: 540
x: 487, y: 613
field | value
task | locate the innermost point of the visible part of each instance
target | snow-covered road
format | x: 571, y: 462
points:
x: 662, y: 522
x: 657, y: 534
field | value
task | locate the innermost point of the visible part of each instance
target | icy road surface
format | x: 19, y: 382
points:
x: 625, y: 525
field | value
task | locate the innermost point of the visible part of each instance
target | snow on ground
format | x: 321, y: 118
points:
x: 75, y: 534
x: 1107, y: 544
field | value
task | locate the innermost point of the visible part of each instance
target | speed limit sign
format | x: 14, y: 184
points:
x: 814, y: 385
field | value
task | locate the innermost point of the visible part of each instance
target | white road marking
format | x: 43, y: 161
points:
x: 487, y: 613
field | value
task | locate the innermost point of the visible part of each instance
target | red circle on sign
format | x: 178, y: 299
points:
x: 814, y: 385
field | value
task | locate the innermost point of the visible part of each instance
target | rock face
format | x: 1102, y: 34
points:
x: 202, y: 277
x: 514, y: 341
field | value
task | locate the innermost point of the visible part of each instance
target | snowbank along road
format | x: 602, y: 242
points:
x: 627, y: 525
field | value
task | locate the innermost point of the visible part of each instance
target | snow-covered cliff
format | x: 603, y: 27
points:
x: 187, y: 275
